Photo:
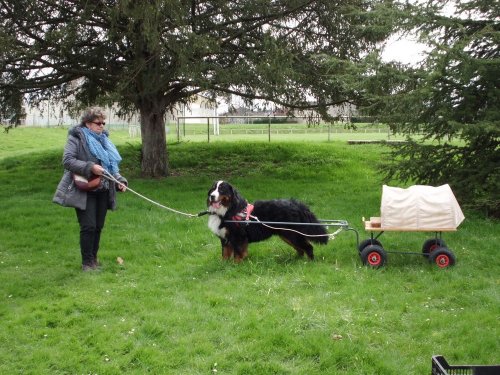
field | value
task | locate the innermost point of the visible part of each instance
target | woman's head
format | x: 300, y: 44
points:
x: 93, y: 118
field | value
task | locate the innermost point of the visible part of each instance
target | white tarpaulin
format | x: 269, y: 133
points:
x: 420, y: 208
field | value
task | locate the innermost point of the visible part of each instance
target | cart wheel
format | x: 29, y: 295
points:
x: 431, y: 245
x: 367, y: 242
x: 373, y: 256
x: 442, y: 257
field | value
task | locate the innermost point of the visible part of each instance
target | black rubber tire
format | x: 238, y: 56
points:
x: 442, y: 257
x: 373, y: 256
x: 432, y: 244
x: 367, y: 242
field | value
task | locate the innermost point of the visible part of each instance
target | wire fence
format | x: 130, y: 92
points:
x: 262, y: 128
x: 227, y: 128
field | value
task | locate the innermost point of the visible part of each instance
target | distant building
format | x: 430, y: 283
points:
x: 244, y: 115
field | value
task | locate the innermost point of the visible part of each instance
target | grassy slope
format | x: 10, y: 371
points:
x: 174, y: 307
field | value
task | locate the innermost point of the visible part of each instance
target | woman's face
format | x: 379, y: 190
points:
x: 97, y: 126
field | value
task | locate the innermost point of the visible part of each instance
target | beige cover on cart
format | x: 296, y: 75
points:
x: 420, y: 208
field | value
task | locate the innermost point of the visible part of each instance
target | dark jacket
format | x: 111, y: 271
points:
x: 78, y: 159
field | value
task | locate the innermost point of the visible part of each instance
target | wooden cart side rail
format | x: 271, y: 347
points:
x: 378, y: 228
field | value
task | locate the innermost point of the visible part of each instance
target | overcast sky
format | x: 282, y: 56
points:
x: 405, y: 50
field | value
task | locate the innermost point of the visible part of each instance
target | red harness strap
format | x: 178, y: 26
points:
x: 249, y: 211
x: 245, y: 214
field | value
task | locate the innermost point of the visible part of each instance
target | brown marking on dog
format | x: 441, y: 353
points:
x: 225, y: 200
x: 243, y: 253
x: 227, y: 251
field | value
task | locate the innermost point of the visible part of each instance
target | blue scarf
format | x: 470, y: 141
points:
x: 103, y: 149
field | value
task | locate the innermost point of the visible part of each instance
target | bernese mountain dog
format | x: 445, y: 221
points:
x: 226, y: 207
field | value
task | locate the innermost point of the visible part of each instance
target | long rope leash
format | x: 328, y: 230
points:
x: 110, y: 177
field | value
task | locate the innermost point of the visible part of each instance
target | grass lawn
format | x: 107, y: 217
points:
x: 174, y: 307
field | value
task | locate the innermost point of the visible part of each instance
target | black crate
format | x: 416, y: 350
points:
x: 441, y: 367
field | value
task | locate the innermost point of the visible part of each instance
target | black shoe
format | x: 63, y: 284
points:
x: 87, y: 267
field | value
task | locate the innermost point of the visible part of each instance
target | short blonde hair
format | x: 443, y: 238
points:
x: 92, y: 113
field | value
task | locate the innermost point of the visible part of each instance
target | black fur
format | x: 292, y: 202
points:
x: 225, y: 204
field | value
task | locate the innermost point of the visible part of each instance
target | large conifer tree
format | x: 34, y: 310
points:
x: 149, y: 55
x: 453, y: 100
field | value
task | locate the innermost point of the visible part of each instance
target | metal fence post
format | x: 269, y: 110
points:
x: 269, y: 129
x: 178, y: 131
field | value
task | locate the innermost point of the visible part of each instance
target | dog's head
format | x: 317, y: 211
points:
x: 222, y: 197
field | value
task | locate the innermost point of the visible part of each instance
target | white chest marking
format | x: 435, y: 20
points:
x: 213, y: 223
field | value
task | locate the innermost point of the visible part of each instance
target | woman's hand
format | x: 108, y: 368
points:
x: 97, y: 170
x: 122, y: 187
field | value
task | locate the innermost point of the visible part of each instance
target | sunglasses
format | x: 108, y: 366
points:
x: 99, y: 123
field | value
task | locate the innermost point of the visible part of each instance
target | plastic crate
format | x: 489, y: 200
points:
x: 441, y: 367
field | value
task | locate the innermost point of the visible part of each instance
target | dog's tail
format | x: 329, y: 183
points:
x: 315, y: 233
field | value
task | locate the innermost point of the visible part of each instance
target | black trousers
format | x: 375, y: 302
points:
x: 91, y: 222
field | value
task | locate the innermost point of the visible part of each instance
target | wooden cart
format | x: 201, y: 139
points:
x: 373, y: 254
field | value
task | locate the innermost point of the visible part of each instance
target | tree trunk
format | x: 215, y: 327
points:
x: 154, y: 161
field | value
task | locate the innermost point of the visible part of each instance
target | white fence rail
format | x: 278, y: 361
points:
x: 215, y: 126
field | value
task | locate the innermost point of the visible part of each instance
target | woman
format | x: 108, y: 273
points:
x: 89, y: 153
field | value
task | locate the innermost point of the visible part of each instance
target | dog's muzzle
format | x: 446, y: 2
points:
x: 213, y: 202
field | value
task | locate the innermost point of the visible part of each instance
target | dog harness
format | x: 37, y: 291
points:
x: 245, y: 214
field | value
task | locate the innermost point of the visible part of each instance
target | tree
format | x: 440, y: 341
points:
x: 453, y: 100
x: 149, y: 55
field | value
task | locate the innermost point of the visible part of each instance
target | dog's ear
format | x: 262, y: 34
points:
x: 237, y: 197
x: 232, y: 190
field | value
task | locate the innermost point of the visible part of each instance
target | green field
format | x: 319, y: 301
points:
x: 174, y: 307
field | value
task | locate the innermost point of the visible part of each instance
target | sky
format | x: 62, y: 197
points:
x: 406, y: 50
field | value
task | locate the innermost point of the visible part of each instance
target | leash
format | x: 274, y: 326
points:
x: 110, y: 177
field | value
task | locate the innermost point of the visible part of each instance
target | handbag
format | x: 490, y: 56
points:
x: 85, y: 184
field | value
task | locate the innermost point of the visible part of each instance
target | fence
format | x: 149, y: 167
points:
x: 229, y: 127
x: 272, y: 125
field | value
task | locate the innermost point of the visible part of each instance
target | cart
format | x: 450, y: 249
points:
x: 441, y: 367
x: 418, y: 208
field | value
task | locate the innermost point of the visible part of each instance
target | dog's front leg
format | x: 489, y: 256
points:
x: 241, y: 252
x: 227, y: 249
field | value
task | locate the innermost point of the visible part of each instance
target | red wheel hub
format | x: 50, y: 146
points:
x: 442, y: 261
x: 374, y: 258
